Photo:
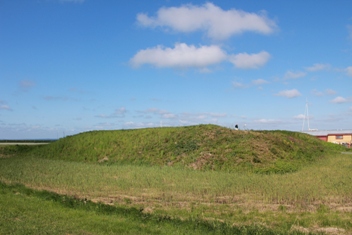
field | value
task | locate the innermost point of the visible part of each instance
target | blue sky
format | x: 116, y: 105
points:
x: 69, y: 66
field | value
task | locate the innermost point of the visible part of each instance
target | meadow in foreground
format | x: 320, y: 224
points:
x: 315, y: 198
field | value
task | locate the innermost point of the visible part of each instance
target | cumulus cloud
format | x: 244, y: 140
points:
x: 289, y: 93
x: 250, y: 61
x: 217, y: 23
x: 349, y: 71
x: 339, y: 100
x: 181, y: 56
x: 188, y: 56
x: 294, y: 75
x: 318, y: 67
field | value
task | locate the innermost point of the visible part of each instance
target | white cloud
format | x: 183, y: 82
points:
x: 188, y: 56
x: 238, y: 85
x: 267, y: 121
x: 349, y: 71
x: 217, y: 115
x: 59, y: 98
x: 289, y: 93
x: 181, y: 56
x: 318, y: 67
x: 25, y: 85
x: 130, y: 124
x: 294, y: 75
x: 250, y: 61
x: 259, y: 82
x: 300, y: 117
x: 4, y: 106
x: 330, y: 92
x: 321, y: 93
x: 162, y: 113
x: 206, y: 117
x: 317, y: 93
x: 169, y: 116
x: 339, y: 100
x: 165, y: 118
x: 216, y: 22
x: 118, y: 113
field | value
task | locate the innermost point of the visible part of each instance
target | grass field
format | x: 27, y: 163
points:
x: 85, y: 196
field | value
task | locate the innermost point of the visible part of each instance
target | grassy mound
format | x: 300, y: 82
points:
x: 201, y: 147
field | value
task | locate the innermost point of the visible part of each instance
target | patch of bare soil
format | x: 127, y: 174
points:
x: 104, y: 159
x: 327, y: 230
x: 201, y: 161
x: 5, y: 156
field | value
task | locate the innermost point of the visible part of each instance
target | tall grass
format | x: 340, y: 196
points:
x: 28, y: 211
x: 327, y: 182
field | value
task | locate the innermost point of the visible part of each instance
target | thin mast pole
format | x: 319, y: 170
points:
x: 308, y: 116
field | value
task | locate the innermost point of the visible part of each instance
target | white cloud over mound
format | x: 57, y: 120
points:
x: 289, y: 93
x: 217, y: 23
x: 181, y: 56
x: 250, y: 61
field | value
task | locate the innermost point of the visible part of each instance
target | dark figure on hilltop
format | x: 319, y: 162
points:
x: 236, y: 127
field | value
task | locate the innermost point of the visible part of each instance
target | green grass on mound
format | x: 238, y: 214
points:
x: 201, y: 147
